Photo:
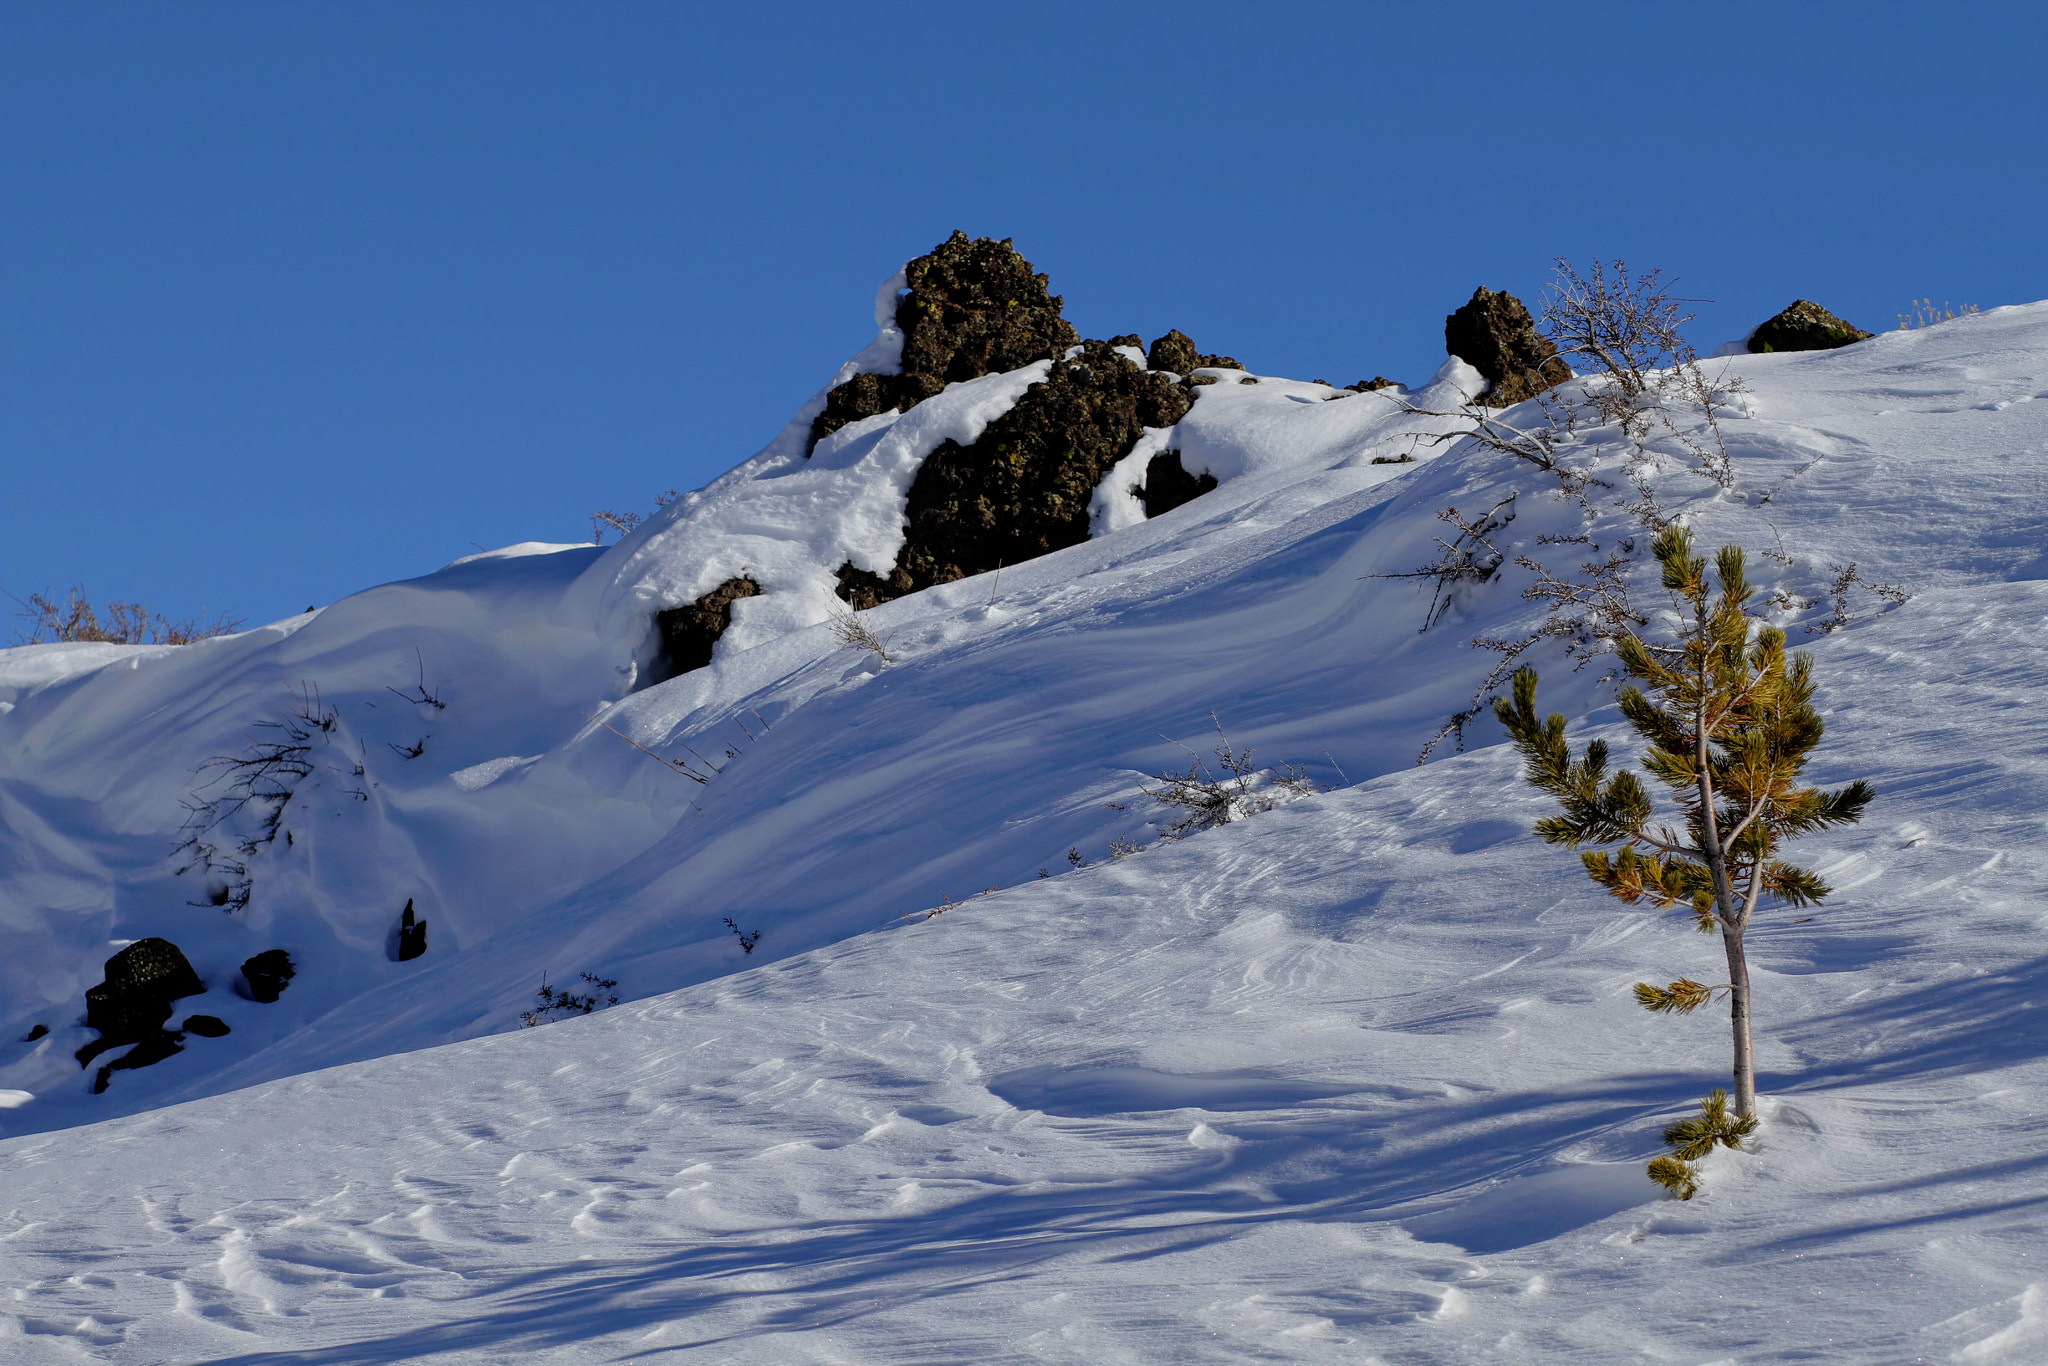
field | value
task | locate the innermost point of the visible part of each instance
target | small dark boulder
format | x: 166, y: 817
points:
x: 1174, y: 352
x: 205, y: 1026
x: 40, y: 1031
x: 972, y: 307
x: 1494, y: 334
x: 1168, y: 484
x: 1804, y: 326
x: 412, y: 934
x: 268, y: 974
x: 1366, y: 386
x: 688, y: 634
x: 135, y: 999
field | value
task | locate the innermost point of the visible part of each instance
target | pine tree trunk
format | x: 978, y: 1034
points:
x: 1738, y: 1012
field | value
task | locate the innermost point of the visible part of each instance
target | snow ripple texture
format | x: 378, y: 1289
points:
x: 1357, y: 1079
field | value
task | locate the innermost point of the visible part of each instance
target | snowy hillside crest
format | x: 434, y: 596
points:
x: 1357, y: 1022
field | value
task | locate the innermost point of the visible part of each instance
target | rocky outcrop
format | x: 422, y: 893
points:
x: 1804, y: 326
x: 134, y: 1001
x: 690, y: 633
x: 1494, y: 334
x: 1023, y: 489
x: 205, y: 1026
x: 132, y: 1005
x: 972, y: 308
x: 268, y: 974
x: 1168, y: 484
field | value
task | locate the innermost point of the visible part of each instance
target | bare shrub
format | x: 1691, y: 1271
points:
x: 1208, y: 798
x: 554, y: 1003
x: 1644, y: 389
x: 1470, y: 557
x: 604, y: 519
x: 1846, y: 578
x: 259, y: 783
x: 854, y: 633
x: 45, y: 620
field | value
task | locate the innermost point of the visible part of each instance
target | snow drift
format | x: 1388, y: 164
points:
x: 1360, y: 1073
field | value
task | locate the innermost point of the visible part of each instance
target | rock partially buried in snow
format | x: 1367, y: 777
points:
x: 690, y: 633
x: 1804, y: 326
x: 411, y: 936
x: 133, y: 1002
x: 1494, y: 334
x: 1023, y: 490
x: 268, y: 974
x: 1168, y: 484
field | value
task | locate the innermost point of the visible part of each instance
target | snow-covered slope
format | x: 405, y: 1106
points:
x: 1357, y: 1076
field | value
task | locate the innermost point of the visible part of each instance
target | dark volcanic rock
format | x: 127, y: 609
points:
x: 1175, y: 351
x: 40, y: 1031
x: 1495, y: 335
x: 1366, y: 386
x: 689, y: 633
x: 972, y: 308
x: 412, y: 934
x: 1168, y: 484
x: 1804, y: 326
x: 135, y: 999
x: 862, y: 590
x: 268, y: 974
x: 1023, y: 489
x: 205, y: 1026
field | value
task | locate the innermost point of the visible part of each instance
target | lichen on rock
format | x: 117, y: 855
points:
x: 1494, y: 334
x: 1023, y: 489
x: 1176, y: 352
x: 972, y: 308
x: 1804, y: 326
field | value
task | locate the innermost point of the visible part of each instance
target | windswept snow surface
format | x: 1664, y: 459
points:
x: 1356, y: 1079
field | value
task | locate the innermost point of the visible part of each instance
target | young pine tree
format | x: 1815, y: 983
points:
x: 1729, y: 722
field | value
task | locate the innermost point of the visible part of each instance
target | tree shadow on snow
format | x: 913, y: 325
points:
x: 1477, y: 1170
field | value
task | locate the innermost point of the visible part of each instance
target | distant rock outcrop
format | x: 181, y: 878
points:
x: 1804, y: 326
x: 1494, y: 334
x: 972, y: 308
x: 1024, y: 488
x: 268, y: 974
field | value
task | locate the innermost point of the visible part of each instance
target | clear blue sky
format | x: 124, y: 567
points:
x: 297, y: 298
